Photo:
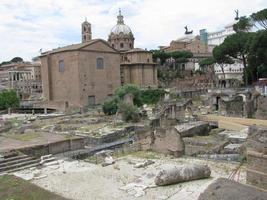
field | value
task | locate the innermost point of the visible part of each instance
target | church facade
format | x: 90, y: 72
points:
x: 86, y: 74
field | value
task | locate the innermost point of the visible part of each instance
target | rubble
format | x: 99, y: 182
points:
x: 144, y: 164
x: 224, y: 189
x: 176, y: 174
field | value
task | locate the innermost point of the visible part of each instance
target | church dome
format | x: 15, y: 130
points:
x: 121, y: 37
x: 120, y: 27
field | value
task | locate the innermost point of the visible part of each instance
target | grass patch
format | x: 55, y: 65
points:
x: 14, y: 188
x: 24, y: 136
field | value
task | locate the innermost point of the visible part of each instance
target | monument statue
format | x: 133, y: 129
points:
x: 236, y: 15
x: 187, y: 32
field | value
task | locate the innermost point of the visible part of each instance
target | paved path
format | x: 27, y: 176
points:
x: 233, y: 123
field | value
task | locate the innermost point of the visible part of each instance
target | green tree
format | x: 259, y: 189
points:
x: 235, y: 46
x: 129, y: 113
x: 260, y: 18
x: 207, y: 63
x: 8, y: 99
x: 151, y: 96
x: 243, y: 25
x: 110, y: 106
x: 257, y: 58
x: 221, y: 58
x: 161, y: 55
x: 17, y: 59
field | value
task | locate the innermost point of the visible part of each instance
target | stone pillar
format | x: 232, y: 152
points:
x: 9, y: 111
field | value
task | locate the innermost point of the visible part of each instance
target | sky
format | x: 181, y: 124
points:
x: 26, y: 26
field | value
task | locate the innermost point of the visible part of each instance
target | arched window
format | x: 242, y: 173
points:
x: 84, y: 28
x: 99, y: 63
x: 130, y: 45
x: 61, y: 66
x: 121, y: 45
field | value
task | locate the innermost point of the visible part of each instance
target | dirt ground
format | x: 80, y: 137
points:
x: 81, y: 180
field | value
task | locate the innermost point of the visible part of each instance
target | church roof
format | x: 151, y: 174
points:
x: 120, y: 27
x: 74, y: 47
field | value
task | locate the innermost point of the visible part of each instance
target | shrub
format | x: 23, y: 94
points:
x: 130, y: 89
x: 8, y: 99
x: 110, y: 107
x: 129, y: 113
x: 151, y: 96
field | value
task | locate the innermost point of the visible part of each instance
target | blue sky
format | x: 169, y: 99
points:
x: 29, y: 25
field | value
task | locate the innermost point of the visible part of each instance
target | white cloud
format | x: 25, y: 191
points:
x: 28, y: 25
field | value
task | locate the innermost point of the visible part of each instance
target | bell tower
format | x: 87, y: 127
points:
x: 86, y: 31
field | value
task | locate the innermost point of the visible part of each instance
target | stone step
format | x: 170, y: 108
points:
x: 13, y: 158
x: 232, y: 149
x: 13, y: 162
x: 20, y: 168
x: 18, y: 165
x: 47, y: 160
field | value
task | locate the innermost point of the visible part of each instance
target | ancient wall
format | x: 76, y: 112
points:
x: 54, y: 148
x: 257, y: 157
x: 98, y: 82
x: 233, y: 107
x: 261, y: 107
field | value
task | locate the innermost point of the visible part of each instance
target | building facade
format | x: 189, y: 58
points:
x: 137, y: 67
x: 197, y: 45
x: 232, y: 75
x: 80, y: 75
x: 24, y: 77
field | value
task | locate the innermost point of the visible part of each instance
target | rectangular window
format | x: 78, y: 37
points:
x: 61, y: 66
x: 100, y: 63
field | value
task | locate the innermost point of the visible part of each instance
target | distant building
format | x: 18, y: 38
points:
x: 261, y: 86
x: 233, y: 72
x: 24, y: 77
x: 196, y: 45
x: 217, y: 37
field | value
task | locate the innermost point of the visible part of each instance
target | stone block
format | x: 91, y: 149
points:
x: 257, y: 179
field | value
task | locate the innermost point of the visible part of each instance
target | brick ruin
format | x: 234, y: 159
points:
x: 257, y: 157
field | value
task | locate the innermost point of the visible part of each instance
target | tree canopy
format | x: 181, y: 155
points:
x: 16, y: 59
x: 244, y: 24
x: 8, y: 99
x: 260, y: 18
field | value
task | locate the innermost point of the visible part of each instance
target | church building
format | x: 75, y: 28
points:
x: 137, y: 66
x: 87, y: 73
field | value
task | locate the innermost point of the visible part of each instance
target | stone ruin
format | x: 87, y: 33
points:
x: 257, y: 157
